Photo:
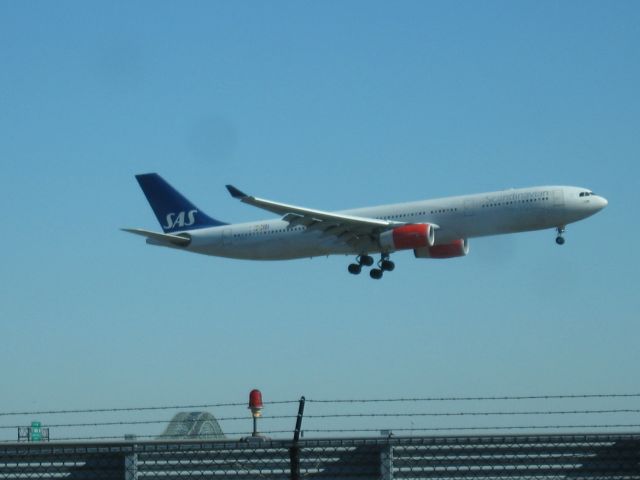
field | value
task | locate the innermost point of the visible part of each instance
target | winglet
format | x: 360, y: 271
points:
x: 235, y: 193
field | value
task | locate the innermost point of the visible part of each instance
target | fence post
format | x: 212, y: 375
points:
x: 131, y: 460
x: 386, y: 458
x: 294, y: 451
x: 131, y: 466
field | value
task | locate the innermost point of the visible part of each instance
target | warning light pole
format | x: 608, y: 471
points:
x: 255, y: 405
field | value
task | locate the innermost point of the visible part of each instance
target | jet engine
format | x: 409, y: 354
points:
x: 421, y: 235
x: 457, y: 248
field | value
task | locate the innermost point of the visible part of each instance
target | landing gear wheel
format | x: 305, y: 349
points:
x: 387, y: 265
x: 375, y: 273
x: 354, y: 268
x: 560, y: 240
x: 365, y: 260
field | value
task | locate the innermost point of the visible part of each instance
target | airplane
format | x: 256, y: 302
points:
x: 438, y: 228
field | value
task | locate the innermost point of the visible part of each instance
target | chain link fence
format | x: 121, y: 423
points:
x: 596, y: 456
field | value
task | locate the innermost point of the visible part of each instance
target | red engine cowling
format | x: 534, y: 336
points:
x: 405, y: 237
x: 457, y: 248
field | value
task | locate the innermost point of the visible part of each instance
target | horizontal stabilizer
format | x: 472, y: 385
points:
x: 162, y: 238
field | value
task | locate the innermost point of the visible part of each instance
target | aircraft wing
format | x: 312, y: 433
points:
x: 162, y: 238
x: 349, y: 228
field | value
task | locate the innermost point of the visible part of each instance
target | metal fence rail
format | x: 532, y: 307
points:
x: 596, y: 456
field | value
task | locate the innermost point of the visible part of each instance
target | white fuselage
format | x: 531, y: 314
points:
x: 461, y: 217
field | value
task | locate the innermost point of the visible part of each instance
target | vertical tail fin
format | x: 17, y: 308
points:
x: 172, y: 209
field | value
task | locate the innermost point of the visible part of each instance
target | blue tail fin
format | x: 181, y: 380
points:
x: 173, y: 211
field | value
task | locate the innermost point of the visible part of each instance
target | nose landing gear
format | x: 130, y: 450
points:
x: 560, y: 238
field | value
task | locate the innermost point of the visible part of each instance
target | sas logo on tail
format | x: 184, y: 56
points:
x: 182, y: 219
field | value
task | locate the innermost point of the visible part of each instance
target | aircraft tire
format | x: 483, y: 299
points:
x: 365, y: 260
x: 387, y: 265
x: 354, y: 268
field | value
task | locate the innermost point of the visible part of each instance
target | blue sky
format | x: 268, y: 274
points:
x: 329, y: 105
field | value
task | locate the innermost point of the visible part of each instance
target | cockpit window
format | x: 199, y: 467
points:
x: 586, y: 194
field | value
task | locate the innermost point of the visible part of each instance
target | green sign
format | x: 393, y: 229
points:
x: 36, y: 432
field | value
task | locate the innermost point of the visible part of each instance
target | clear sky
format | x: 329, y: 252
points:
x: 328, y: 105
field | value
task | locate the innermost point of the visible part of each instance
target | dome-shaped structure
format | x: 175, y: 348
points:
x: 193, y: 425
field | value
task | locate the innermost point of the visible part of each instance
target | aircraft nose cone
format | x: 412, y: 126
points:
x: 601, y: 203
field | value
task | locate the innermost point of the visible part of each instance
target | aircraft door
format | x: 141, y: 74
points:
x: 469, y: 207
x: 227, y: 237
x: 558, y: 198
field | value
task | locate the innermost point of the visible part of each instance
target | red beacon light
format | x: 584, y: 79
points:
x: 255, y: 403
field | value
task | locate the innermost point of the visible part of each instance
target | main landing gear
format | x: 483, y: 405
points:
x: 560, y: 238
x: 384, y: 265
x: 363, y: 260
